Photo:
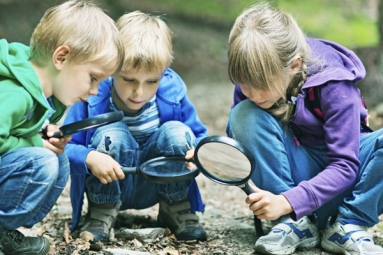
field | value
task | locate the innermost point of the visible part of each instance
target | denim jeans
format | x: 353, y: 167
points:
x: 31, y: 181
x: 281, y: 165
x: 135, y: 192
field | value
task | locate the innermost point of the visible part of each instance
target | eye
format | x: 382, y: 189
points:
x: 128, y: 80
x: 93, y: 79
x: 153, y: 82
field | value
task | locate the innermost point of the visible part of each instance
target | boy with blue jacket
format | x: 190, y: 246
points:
x: 63, y: 65
x: 159, y: 121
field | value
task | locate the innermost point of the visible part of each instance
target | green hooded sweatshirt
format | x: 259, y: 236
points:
x: 23, y: 109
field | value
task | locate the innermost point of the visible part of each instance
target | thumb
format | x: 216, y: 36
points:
x: 255, y: 188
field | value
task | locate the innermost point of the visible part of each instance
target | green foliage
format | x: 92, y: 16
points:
x: 344, y: 21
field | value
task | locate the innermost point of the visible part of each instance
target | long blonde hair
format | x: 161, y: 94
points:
x: 85, y: 28
x: 262, y: 46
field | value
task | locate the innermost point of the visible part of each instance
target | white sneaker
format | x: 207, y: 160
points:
x: 349, y: 239
x: 286, y: 237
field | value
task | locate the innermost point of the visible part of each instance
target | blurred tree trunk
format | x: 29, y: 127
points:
x: 372, y: 58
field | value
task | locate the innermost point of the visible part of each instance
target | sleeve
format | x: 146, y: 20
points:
x: 340, y: 103
x: 190, y: 118
x: 14, y: 105
x: 76, y: 149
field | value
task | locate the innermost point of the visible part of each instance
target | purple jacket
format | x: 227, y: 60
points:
x: 335, y: 70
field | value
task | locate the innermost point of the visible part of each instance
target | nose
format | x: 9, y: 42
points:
x: 251, y: 93
x: 93, y: 90
x: 138, y: 90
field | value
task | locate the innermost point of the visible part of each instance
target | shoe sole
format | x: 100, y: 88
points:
x: 305, y: 244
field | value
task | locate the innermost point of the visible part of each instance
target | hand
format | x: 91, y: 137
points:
x: 104, y: 167
x: 189, y: 155
x: 265, y: 205
x: 55, y: 144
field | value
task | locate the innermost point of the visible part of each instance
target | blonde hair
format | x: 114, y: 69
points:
x: 147, y: 40
x: 262, y: 45
x: 86, y: 29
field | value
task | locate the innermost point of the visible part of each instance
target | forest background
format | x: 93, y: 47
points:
x: 201, y: 30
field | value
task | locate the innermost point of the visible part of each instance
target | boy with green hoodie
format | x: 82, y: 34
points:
x: 64, y: 64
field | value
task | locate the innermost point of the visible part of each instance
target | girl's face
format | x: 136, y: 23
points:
x: 132, y: 89
x: 263, y: 98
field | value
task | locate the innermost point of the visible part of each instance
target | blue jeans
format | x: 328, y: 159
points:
x: 31, y: 181
x: 281, y: 165
x: 135, y: 192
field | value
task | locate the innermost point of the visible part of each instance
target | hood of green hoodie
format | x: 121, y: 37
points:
x: 14, y: 65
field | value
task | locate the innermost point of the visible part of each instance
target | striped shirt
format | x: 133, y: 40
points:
x: 142, y: 124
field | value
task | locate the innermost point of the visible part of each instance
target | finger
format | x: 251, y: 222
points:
x: 120, y: 174
x: 189, y: 154
x: 113, y: 176
x: 255, y: 188
x: 103, y: 181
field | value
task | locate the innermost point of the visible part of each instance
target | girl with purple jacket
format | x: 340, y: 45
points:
x: 311, y: 173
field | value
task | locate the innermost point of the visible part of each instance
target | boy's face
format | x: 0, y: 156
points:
x: 134, y: 88
x: 75, y: 82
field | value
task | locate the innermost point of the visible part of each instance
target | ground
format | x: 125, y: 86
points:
x: 227, y: 219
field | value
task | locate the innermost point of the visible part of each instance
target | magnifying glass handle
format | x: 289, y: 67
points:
x: 248, y: 190
x: 257, y: 222
x: 57, y: 134
x: 129, y: 170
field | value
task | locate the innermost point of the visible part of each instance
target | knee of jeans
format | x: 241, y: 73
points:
x: 113, y: 135
x: 47, y: 168
x: 176, y: 134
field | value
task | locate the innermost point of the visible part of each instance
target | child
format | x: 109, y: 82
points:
x: 63, y: 65
x: 307, y: 167
x: 159, y: 121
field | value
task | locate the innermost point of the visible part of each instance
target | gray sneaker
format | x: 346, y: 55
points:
x: 178, y: 218
x: 100, y: 219
x: 286, y: 237
x: 349, y: 239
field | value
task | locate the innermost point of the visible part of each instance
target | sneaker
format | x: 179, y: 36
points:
x: 100, y: 220
x: 349, y: 239
x: 13, y: 242
x: 178, y: 218
x: 286, y: 237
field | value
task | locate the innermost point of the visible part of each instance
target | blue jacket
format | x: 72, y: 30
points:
x: 173, y: 104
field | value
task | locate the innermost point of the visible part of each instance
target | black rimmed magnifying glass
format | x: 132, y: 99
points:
x: 170, y: 169
x: 226, y: 161
x: 86, y: 124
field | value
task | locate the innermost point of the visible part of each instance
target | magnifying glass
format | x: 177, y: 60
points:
x: 221, y: 159
x: 86, y: 124
x: 170, y: 169
x: 226, y: 161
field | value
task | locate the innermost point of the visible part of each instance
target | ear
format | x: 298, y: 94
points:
x: 296, y: 64
x: 60, y: 56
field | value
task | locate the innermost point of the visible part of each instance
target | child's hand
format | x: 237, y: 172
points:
x: 266, y: 205
x: 55, y: 144
x: 190, y: 155
x: 104, y: 167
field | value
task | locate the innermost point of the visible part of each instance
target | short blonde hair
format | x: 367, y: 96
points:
x: 85, y: 28
x: 262, y: 45
x: 147, y: 40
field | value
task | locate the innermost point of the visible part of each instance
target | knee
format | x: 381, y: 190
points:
x: 175, y: 133
x: 116, y: 135
x: 46, y: 167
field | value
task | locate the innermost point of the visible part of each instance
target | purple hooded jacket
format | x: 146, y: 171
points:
x: 335, y: 70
